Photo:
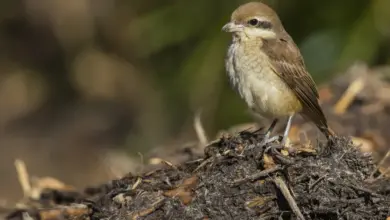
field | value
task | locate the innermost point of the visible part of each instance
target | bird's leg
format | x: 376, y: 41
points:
x: 287, y: 130
x: 266, y: 138
x: 285, y: 134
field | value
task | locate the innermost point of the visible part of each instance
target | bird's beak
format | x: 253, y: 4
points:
x: 232, y: 27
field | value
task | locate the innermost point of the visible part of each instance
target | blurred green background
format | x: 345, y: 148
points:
x: 79, y: 78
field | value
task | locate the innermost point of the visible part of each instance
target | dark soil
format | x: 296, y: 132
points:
x: 324, y: 181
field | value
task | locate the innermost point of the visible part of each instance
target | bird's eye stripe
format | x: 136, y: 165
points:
x: 265, y: 24
x: 260, y: 24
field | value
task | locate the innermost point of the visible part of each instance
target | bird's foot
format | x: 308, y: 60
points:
x: 273, y: 148
x: 276, y: 146
x: 265, y: 141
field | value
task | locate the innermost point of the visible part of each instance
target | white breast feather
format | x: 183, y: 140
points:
x: 261, y: 89
x: 236, y: 79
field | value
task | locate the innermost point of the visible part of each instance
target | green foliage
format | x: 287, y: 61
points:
x: 178, y: 49
x: 331, y: 34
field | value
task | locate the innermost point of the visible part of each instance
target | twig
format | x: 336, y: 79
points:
x: 146, y: 212
x: 23, y: 177
x: 169, y: 164
x: 384, y: 173
x: 63, y: 212
x: 353, y: 89
x: 284, y: 160
x: 358, y: 188
x: 213, y: 142
x: 257, y: 176
x: 194, y: 161
x: 136, y: 184
x: 381, y: 162
x: 311, y: 186
x: 286, y: 193
x: 203, y: 164
x: 200, y: 132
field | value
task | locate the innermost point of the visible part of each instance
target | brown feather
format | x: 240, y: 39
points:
x: 288, y: 63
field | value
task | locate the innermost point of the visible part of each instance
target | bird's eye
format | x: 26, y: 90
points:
x: 253, y: 22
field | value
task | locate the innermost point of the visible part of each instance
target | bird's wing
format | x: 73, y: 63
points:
x: 287, y: 62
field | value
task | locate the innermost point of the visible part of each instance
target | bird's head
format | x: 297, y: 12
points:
x: 254, y: 20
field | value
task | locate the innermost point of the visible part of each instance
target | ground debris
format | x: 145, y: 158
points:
x: 332, y: 181
x: 356, y: 103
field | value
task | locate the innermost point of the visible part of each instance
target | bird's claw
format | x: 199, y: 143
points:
x: 266, y: 140
x: 273, y: 147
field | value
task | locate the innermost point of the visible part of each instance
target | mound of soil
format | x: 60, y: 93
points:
x: 238, y: 178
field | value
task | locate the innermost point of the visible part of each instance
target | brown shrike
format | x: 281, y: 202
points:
x: 266, y: 68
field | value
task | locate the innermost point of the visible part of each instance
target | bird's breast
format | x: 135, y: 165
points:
x: 263, y: 90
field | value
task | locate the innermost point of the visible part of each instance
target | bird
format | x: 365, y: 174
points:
x: 266, y: 68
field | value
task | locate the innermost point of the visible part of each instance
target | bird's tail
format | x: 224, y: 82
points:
x: 320, y: 121
x: 326, y: 131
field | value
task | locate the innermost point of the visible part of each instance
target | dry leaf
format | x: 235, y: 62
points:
x: 184, y: 191
x: 259, y: 201
x: 268, y: 161
x: 284, y: 152
x: 364, y: 145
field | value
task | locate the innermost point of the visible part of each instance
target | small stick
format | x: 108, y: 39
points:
x: 23, y: 177
x: 311, y: 186
x: 381, y: 162
x: 169, y: 164
x: 286, y: 193
x: 362, y: 189
x: 63, y: 212
x: 384, y: 173
x: 200, y: 132
x: 203, y: 164
x: 136, y: 184
x: 194, y: 161
x: 143, y: 213
x: 284, y: 160
x: 257, y: 176
x: 213, y: 142
x: 346, y: 99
